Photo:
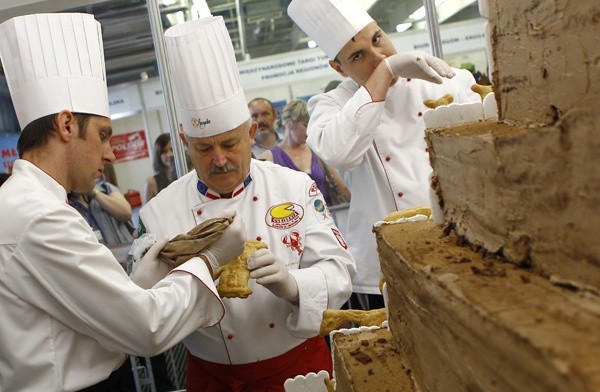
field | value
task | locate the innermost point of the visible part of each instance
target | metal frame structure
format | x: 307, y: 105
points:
x: 157, y: 34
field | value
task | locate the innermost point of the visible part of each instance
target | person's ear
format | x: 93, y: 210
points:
x: 253, y: 129
x: 337, y: 67
x: 183, y: 139
x: 66, y: 126
x: 287, y: 124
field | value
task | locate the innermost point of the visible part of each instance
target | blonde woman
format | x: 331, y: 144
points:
x: 293, y: 152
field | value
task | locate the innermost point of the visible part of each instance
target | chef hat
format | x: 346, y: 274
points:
x: 330, y: 23
x: 54, y: 62
x: 208, y: 91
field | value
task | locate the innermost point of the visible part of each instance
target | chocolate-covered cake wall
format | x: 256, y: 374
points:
x: 528, y: 187
x: 546, y: 57
x: 524, y: 188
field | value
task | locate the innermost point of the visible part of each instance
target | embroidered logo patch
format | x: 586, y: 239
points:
x: 320, y: 207
x: 196, y: 122
x: 338, y: 236
x: 293, y: 241
x: 313, y: 191
x: 284, y: 216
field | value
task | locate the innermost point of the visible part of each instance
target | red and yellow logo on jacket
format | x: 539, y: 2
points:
x: 284, y: 216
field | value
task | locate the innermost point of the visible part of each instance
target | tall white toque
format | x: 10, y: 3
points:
x: 54, y: 62
x: 330, y: 23
x: 207, y: 86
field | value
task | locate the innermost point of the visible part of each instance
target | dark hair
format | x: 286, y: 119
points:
x: 159, y: 147
x: 37, y: 132
x: 3, y: 178
x: 265, y: 100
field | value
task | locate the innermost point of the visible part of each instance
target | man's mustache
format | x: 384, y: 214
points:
x: 263, y: 125
x: 222, y: 169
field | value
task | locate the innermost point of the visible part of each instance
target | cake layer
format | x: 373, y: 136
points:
x: 368, y: 361
x: 546, y: 57
x: 532, y: 194
x: 465, y: 323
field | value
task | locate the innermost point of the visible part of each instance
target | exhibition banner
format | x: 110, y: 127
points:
x: 129, y: 146
x: 8, y: 150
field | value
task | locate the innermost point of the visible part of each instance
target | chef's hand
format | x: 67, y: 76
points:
x: 271, y: 272
x: 229, y: 246
x: 419, y: 65
x: 150, y: 270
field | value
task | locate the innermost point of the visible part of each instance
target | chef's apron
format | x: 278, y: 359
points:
x: 269, y: 375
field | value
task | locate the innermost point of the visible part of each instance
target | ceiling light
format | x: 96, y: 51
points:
x: 420, y: 12
x: 311, y: 44
x: 403, y: 27
x: 201, y: 8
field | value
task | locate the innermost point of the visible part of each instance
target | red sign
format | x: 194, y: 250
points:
x: 129, y: 146
x: 8, y: 153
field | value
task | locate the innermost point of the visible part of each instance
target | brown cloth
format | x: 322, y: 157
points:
x: 185, y: 246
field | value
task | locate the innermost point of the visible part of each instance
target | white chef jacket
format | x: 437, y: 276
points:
x: 69, y: 310
x: 382, y: 145
x: 284, y: 209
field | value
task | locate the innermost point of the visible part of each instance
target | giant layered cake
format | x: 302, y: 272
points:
x: 503, y: 294
x: 527, y: 186
x: 367, y: 360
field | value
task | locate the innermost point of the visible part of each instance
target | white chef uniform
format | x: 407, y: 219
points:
x: 279, y: 206
x: 69, y: 311
x: 284, y: 209
x: 382, y: 145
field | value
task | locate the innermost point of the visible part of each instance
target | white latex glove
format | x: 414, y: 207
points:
x: 272, y: 273
x: 419, y: 65
x: 150, y: 270
x: 230, y: 245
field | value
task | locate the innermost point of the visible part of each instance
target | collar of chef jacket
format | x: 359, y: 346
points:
x: 48, y: 183
x: 206, y: 191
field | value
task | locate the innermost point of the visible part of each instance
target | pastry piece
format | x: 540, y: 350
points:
x: 444, y: 100
x: 407, y: 213
x: 234, y: 276
x: 333, y: 318
x: 329, y: 384
x: 482, y: 90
